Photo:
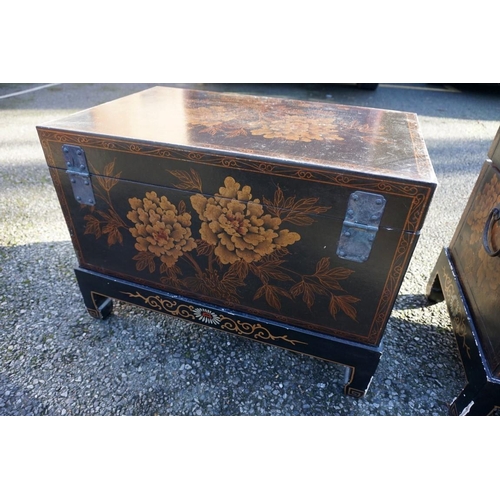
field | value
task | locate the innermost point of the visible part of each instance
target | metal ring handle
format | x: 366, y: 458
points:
x: 492, y: 218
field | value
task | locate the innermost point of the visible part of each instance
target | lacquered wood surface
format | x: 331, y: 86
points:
x: 386, y: 143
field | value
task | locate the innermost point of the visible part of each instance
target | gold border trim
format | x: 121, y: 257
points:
x: 316, y: 172
x: 246, y: 329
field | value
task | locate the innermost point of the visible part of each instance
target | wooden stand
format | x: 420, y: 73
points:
x: 361, y: 361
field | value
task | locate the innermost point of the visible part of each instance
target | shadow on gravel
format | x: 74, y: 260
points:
x: 57, y: 360
x: 16, y: 400
x: 411, y: 301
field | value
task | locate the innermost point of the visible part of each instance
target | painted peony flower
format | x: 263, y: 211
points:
x: 159, y: 228
x: 237, y: 226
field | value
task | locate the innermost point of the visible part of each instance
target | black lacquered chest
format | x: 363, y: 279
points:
x: 283, y: 221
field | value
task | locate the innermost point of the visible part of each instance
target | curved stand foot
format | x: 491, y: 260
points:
x: 103, y: 306
x: 481, y: 395
x: 98, y: 306
x: 476, y: 401
x: 358, y: 380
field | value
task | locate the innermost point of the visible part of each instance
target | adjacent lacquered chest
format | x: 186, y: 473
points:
x: 287, y: 222
x: 467, y: 276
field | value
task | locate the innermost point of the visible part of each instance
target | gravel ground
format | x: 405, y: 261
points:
x: 56, y: 360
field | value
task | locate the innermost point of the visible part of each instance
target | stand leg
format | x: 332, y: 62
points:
x: 98, y: 306
x: 358, y: 378
x: 474, y: 401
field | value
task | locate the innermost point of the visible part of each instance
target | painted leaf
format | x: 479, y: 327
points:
x: 323, y: 265
x: 108, y: 169
x: 308, y: 296
x: 171, y: 271
x: 297, y: 289
x: 241, y: 268
x: 93, y: 226
x: 189, y: 180
x: 333, y: 307
x: 231, y: 279
x: 204, y: 248
x: 272, y: 298
x: 145, y: 259
x: 237, y: 132
x: 112, y: 218
x: 114, y: 235
x: 330, y: 277
x: 297, y: 211
x: 279, y: 198
x: 271, y: 294
x: 181, y: 207
x: 108, y: 179
x: 344, y: 303
x: 339, y: 273
x: 260, y: 292
x: 270, y: 268
x: 299, y: 219
x: 193, y: 283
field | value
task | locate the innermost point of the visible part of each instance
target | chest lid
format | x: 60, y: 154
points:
x: 323, y: 135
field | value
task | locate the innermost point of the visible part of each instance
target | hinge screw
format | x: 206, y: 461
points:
x: 65, y: 150
x: 355, y: 197
x: 350, y: 212
x: 342, y: 253
x: 347, y: 233
x: 68, y: 163
x: 374, y: 217
x: 86, y: 183
x: 79, y: 152
x: 78, y: 198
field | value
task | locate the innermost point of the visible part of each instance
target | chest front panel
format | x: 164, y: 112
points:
x: 265, y: 241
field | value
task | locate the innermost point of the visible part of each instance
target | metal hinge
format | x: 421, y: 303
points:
x: 78, y: 173
x: 361, y: 223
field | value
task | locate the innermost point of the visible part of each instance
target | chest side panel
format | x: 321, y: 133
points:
x: 478, y: 271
